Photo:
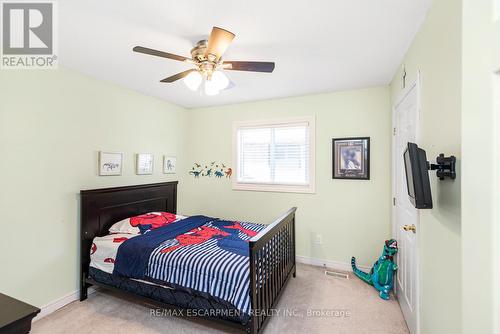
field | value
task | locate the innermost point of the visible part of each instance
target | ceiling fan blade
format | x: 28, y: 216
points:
x: 177, y: 76
x: 218, y: 42
x: 157, y: 53
x: 251, y: 66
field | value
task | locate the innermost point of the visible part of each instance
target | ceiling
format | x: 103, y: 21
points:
x: 318, y: 45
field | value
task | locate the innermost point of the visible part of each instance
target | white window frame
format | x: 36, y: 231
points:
x: 309, y: 188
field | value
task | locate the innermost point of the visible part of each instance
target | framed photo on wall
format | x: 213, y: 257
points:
x: 110, y: 163
x: 169, y: 164
x: 351, y: 158
x: 144, y: 164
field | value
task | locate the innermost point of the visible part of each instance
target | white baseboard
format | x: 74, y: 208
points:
x: 51, y: 307
x: 337, y: 265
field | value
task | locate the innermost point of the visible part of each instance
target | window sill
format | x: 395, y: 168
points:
x: 279, y: 188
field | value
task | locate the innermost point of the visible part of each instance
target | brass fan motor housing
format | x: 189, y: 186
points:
x: 199, y: 51
x: 206, y: 65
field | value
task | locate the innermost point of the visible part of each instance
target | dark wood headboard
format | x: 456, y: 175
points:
x: 101, y: 208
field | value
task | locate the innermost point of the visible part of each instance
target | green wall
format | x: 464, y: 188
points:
x: 352, y: 216
x: 52, y: 123
x: 436, y: 53
x: 481, y: 140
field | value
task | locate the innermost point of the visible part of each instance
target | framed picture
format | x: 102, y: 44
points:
x: 169, y: 164
x: 110, y: 163
x: 144, y: 164
x: 351, y: 158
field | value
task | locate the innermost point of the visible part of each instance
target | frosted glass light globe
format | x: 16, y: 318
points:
x: 219, y: 80
x: 210, y: 88
x: 193, y: 80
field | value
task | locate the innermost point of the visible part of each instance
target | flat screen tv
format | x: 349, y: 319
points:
x: 417, y: 177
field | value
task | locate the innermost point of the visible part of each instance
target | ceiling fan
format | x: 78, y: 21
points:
x: 206, y: 57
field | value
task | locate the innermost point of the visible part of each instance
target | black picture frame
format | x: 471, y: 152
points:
x: 359, y: 150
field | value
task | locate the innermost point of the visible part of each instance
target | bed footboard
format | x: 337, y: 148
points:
x: 272, y: 263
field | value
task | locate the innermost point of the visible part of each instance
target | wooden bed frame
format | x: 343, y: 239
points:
x: 272, y: 251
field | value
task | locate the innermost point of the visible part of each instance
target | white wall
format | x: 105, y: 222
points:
x: 352, y: 216
x: 52, y: 123
x: 436, y: 53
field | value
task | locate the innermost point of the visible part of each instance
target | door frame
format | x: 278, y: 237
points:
x: 417, y: 84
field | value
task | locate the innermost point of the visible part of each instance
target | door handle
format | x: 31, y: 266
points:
x: 411, y: 227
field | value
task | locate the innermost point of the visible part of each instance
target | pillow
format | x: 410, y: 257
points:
x: 142, y: 223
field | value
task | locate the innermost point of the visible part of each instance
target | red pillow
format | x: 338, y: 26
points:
x: 155, y: 220
x: 142, y: 223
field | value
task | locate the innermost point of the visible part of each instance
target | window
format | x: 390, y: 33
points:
x: 274, y: 155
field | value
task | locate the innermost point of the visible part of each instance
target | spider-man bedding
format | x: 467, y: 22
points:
x: 200, y: 253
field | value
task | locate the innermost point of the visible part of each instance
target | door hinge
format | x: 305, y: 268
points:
x: 394, y: 131
x: 394, y: 201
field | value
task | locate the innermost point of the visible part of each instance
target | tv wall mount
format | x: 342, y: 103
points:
x: 444, y: 167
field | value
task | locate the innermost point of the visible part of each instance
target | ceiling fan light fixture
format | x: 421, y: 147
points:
x: 219, y: 80
x: 193, y: 80
x: 206, y: 62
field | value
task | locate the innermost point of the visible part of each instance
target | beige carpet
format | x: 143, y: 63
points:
x: 349, y: 306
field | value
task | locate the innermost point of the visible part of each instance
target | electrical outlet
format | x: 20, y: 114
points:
x: 318, y: 239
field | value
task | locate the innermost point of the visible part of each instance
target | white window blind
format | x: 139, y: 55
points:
x: 274, y: 154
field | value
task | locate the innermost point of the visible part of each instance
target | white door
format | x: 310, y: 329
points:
x: 405, y: 216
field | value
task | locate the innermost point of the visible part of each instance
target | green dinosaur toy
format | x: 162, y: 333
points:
x: 381, y: 275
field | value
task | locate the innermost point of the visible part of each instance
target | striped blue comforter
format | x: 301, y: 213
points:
x: 211, y: 258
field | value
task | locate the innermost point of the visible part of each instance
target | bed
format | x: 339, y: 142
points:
x: 221, y: 280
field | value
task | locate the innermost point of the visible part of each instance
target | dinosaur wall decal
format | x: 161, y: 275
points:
x: 195, y: 173
x: 214, y: 168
